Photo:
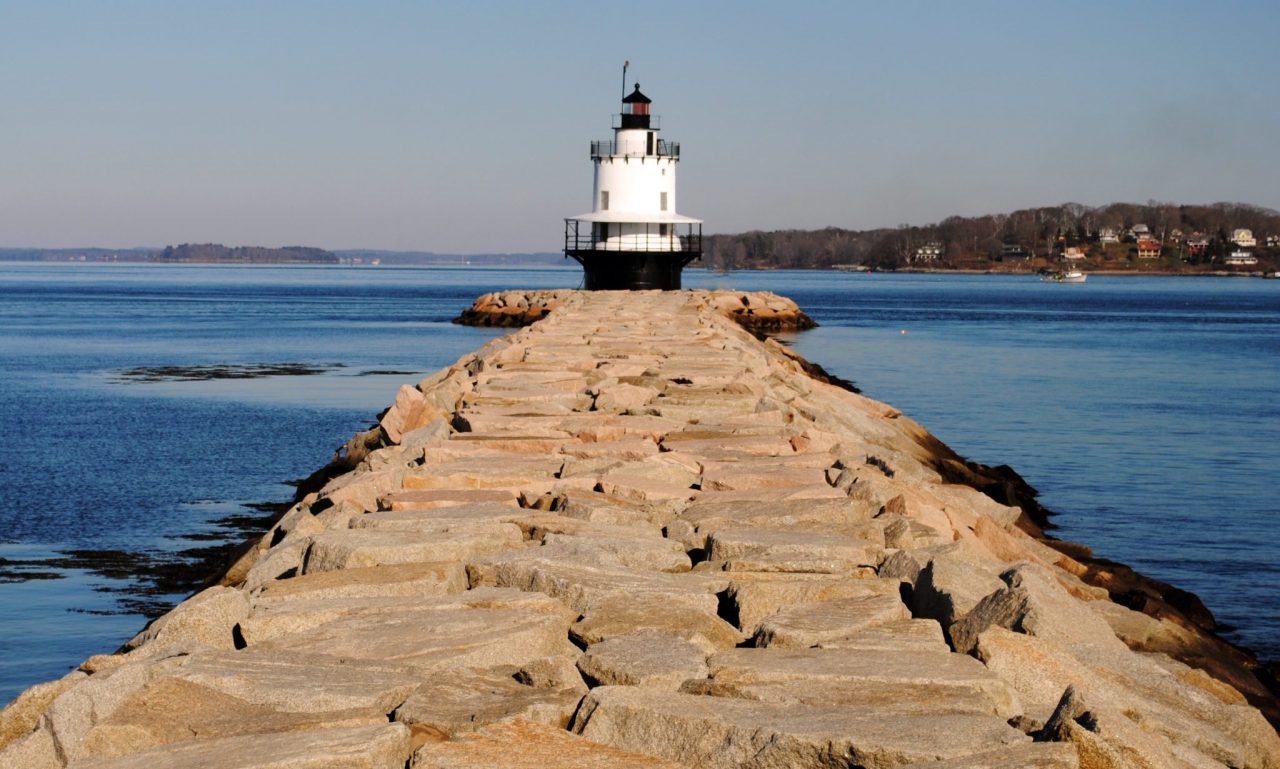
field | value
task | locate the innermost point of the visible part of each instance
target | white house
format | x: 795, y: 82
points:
x: 1073, y: 254
x: 1243, y: 238
x: 929, y: 252
x: 1108, y: 235
x: 1240, y: 258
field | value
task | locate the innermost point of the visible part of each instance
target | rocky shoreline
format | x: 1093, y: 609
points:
x: 761, y: 312
x: 635, y: 534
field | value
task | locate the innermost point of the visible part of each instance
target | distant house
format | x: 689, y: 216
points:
x: 1197, y: 244
x: 929, y: 252
x: 1240, y: 258
x: 1108, y: 235
x: 1273, y: 241
x: 1139, y: 231
x: 1148, y: 248
x: 1014, y: 251
x: 1244, y: 238
x: 1073, y: 254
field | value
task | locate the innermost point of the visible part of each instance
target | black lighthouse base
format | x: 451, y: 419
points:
x: 631, y: 270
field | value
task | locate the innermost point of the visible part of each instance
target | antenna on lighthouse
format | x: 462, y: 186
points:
x: 625, y: 64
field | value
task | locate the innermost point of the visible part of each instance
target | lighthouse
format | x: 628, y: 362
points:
x: 633, y: 238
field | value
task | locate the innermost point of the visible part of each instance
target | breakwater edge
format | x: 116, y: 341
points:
x: 665, y: 527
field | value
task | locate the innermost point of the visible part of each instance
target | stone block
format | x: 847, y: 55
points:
x: 780, y: 550
x: 803, y: 625
x: 20, y: 716
x: 353, y: 548
x: 1034, y: 603
x: 400, y: 580
x: 381, y: 746
x: 436, y: 640
x: 896, y: 680
x: 718, y: 733
x: 646, y: 658
x: 523, y: 744
x: 950, y: 586
x: 205, y: 620
x: 625, y: 615
x: 462, y: 701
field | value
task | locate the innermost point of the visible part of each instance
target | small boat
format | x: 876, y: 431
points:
x: 1070, y: 276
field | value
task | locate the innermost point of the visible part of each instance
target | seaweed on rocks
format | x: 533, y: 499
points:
x: 1236, y: 665
x: 150, y: 582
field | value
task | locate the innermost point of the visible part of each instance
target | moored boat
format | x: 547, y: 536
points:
x: 1070, y: 276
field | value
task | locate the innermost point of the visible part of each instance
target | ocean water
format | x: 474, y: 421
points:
x: 1144, y: 410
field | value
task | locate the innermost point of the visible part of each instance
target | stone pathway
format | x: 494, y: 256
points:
x: 633, y: 535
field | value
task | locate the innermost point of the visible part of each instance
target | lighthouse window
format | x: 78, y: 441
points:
x: 648, y: 147
x: 604, y: 200
x: 662, y: 201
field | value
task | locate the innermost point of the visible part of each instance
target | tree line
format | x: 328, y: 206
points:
x: 216, y: 252
x: 983, y: 241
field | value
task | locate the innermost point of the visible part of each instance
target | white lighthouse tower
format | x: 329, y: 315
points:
x: 633, y: 238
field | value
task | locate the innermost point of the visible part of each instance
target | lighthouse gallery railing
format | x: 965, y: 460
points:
x: 607, y: 148
x: 598, y: 236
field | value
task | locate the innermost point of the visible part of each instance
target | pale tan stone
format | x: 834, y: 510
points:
x: 363, y: 488
x: 582, y: 586
x: 755, y: 599
x: 430, y: 499
x: 173, y: 710
x: 33, y: 750
x: 1035, y: 604
x: 899, y: 680
x: 641, y: 489
x: 283, y: 619
x: 207, y: 619
x: 1039, y: 755
x: 409, y: 412
x: 527, y: 745
x: 353, y: 548
x: 436, y: 640
x: 621, y: 397
x: 780, y: 550
x: 1177, y: 715
x: 626, y: 449
x: 470, y: 475
x: 384, y: 746
x: 538, y: 525
x: 482, y: 447
x: 814, y: 624
x: 462, y: 701
x: 949, y: 586
x: 645, y: 658
x: 622, y: 615
x: 717, y: 732
x: 20, y: 716
x: 707, y: 514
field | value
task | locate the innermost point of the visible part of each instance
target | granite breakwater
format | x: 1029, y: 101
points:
x: 635, y: 534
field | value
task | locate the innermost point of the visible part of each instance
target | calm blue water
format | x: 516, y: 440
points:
x: 1144, y: 409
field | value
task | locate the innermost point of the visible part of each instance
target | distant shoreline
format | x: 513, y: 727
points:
x: 484, y: 263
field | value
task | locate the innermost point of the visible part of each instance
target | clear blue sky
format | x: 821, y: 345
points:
x: 463, y: 127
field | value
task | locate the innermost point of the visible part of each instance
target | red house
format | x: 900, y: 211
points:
x: 1148, y: 248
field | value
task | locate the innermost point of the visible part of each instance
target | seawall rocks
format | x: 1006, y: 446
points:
x: 761, y: 312
x: 634, y: 534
